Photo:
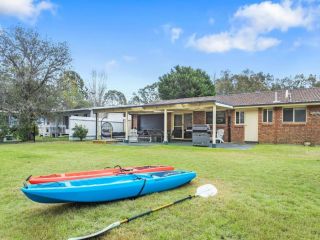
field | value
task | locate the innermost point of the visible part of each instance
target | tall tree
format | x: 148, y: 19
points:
x: 246, y: 81
x: 97, y: 88
x: 73, y: 92
x: 30, y: 68
x: 298, y: 81
x: 225, y: 84
x: 183, y: 82
x: 146, y: 95
x: 114, y: 97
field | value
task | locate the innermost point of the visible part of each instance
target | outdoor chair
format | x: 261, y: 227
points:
x: 220, y: 134
x: 133, y: 136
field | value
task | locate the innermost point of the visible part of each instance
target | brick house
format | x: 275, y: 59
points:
x: 285, y: 116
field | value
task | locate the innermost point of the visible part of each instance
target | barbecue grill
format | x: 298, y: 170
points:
x: 201, y: 135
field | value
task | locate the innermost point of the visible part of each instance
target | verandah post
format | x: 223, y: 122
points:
x: 214, y: 127
x: 126, y: 128
x: 165, y: 127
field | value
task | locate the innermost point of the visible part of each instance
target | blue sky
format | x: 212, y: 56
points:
x: 137, y: 41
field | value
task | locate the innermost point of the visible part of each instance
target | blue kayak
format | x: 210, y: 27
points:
x: 107, y: 188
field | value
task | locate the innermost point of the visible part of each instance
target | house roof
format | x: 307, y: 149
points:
x: 308, y: 95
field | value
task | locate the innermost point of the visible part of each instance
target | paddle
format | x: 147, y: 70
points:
x: 205, y: 191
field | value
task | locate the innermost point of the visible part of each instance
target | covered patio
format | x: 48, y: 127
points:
x: 173, y: 118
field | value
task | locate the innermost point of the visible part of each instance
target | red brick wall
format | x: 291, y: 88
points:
x: 295, y: 133
x: 199, y: 117
x: 237, y: 131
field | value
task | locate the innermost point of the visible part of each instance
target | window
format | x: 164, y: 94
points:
x: 220, y: 117
x: 294, y: 115
x: 239, y: 117
x: 267, y: 115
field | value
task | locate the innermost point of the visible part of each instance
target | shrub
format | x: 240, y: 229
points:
x: 80, y: 132
x: 4, y: 131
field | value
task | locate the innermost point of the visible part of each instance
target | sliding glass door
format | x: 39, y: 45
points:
x: 182, y: 126
x: 177, y: 126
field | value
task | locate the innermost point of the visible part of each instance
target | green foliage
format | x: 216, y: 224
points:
x: 73, y: 92
x: 80, y: 131
x: 31, y: 67
x: 4, y: 128
x: 114, y: 97
x: 146, y: 95
x: 25, y: 131
x: 184, y: 82
x: 298, y: 81
x: 249, y: 81
x: 4, y: 131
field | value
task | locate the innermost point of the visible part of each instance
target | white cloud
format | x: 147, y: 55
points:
x: 267, y: 16
x: 26, y: 10
x: 112, y: 64
x: 252, y: 22
x: 173, y: 32
x: 129, y: 58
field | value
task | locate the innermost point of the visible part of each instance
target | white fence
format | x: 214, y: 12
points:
x: 90, y: 124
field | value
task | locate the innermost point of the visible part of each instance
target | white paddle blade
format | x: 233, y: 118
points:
x: 207, y: 190
x: 106, y: 229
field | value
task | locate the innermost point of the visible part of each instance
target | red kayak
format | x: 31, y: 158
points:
x: 96, y: 173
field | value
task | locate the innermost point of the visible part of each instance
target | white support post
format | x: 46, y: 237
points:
x: 97, y: 118
x: 214, y: 127
x: 126, y: 128
x: 165, y: 127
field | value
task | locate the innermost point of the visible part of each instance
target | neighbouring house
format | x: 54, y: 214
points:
x: 285, y: 116
x: 58, y: 123
x: 62, y: 122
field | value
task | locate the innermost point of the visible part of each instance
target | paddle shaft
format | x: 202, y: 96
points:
x: 157, y: 209
x: 116, y: 224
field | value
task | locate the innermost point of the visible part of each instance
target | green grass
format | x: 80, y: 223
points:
x: 268, y: 192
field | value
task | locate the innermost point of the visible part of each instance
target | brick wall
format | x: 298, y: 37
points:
x: 237, y: 131
x: 199, y: 117
x: 295, y: 133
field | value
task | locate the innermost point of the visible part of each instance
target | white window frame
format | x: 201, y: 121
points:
x: 268, y: 109
x: 235, y: 120
x: 294, y: 114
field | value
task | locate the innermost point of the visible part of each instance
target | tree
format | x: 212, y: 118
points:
x: 97, y: 89
x: 246, y: 81
x: 298, y: 81
x: 146, y: 95
x: 73, y: 92
x: 184, y: 82
x: 80, y: 131
x: 30, y: 68
x: 114, y: 97
x: 225, y: 84
x: 4, y: 126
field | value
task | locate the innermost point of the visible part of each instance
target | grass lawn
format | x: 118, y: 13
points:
x: 267, y: 192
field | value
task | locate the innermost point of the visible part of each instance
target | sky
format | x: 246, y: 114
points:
x: 135, y: 42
